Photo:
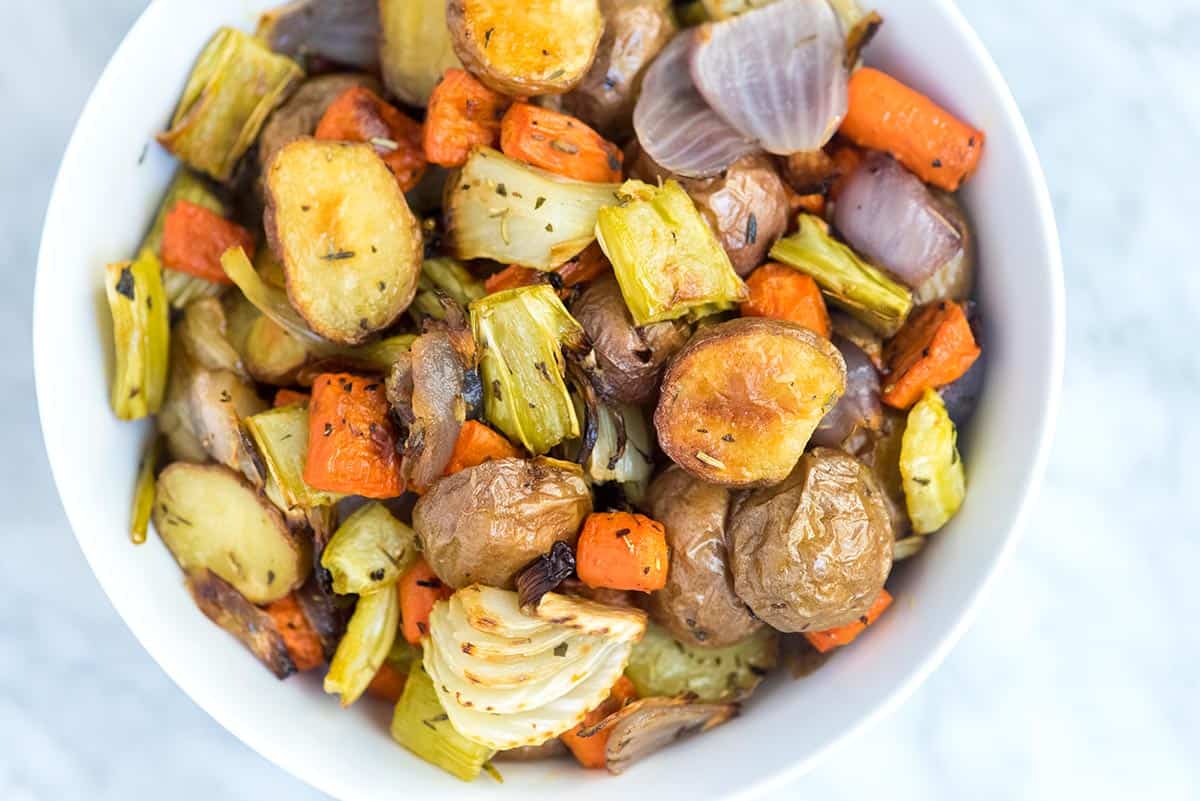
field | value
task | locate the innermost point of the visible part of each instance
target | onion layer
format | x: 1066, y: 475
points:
x: 858, y: 408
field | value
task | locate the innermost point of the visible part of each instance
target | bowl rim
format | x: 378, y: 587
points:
x: 964, y: 617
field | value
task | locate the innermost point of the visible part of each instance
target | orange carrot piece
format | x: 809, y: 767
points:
x: 301, y: 639
x: 590, y: 750
x: 622, y: 551
x: 812, y: 204
x: 286, y: 397
x: 511, y: 277
x: 462, y: 114
x: 195, y: 237
x: 388, y: 683
x: 846, y: 158
x: 477, y: 444
x: 934, y: 348
x: 829, y: 639
x: 781, y: 293
x: 351, y: 439
x: 587, y: 266
x: 360, y: 115
x: 884, y: 114
x: 559, y: 143
x: 420, y: 589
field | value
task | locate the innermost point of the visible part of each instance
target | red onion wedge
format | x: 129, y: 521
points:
x: 858, y: 408
x: 889, y: 216
x: 777, y: 74
x: 675, y: 126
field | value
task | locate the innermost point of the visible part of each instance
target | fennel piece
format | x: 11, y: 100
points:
x: 235, y: 84
x: 501, y: 209
x: 521, y: 334
x: 666, y: 259
x: 414, y: 49
x: 420, y: 724
x: 661, y: 665
x: 141, y: 335
x: 369, y: 551
x: 931, y: 470
x: 143, y: 491
x: 365, y: 645
x: 281, y: 437
x: 448, y: 277
x: 863, y: 290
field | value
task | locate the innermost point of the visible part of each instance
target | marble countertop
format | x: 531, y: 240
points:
x: 1079, y: 677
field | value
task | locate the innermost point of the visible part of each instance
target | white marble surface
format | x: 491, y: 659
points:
x: 1079, y: 678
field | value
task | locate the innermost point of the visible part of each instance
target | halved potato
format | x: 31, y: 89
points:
x: 254, y: 628
x: 526, y: 47
x: 350, y: 247
x: 210, y: 518
x: 741, y: 399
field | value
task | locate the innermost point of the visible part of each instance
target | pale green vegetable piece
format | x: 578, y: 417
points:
x: 667, y: 260
x: 365, y: 645
x: 931, y: 470
x: 141, y: 335
x: 143, y: 491
x: 865, y: 291
x: 369, y: 550
x: 415, y: 49
x: 451, y: 278
x: 281, y: 436
x: 404, y: 655
x: 419, y: 723
x: 663, y: 666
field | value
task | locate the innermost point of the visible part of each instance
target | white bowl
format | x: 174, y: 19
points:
x: 108, y: 187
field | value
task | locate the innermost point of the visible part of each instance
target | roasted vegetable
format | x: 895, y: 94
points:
x: 526, y: 47
x: 862, y: 290
x: 485, y: 523
x: 234, y: 85
x: 521, y: 335
x: 420, y: 724
x: 558, y: 143
x: 369, y: 551
x: 415, y: 49
x: 645, y: 726
x: 360, y: 115
x: 724, y: 9
x: 141, y: 335
x: 664, y: 666
x: 665, y: 257
x: 206, y: 337
x: 143, y: 491
x: 622, y: 551
x: 420, y: 591
x: 224, y: 605
x: 174, y: 418
x: 194, y: 237
x: 302, y: 641
x: 880, y: 451
x: 935, y: 347
x: 550, y: 749
x: 782, y: 293
x: 591, y: 751
x: 623, y: 448
x: 634, y: 33
x: 813, y: 552
x: 955, y: 279
x: 858, y: 410
x: 478, y: 444
x: 932, y: 471
x: 210, y: 518
x: 281, y: 436
x: 451, y: 279
x: 827, y: 640
x: 271, y: 354
x: 341, y: 31
x: 218, y: 401
x: 463, y: 114
x: 747, y: 426
x: 697, y: 605
x: 508, y: 679
x: 182, y: 288
x: 365, y: 645
x: 544, y: 574
x: 350, y: 247
x: 500, y: 209
x: 351, y: 439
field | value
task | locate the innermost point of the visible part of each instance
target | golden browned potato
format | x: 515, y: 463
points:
x: 350, y: 247
x: 211, y: 519
x: 634, y: 33
x: 483, y: 524
x: 742, y: 398
x: 254, y: 628
x: 813, y: 552
x: 526, y: 47
x: 698, y: 604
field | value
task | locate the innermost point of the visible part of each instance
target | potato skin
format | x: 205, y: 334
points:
x: 629, y: 360
x: 813, y: 552
x: 740, y: 401
x: 698, y: 605
x: 254, y: 628
x: 484, y: 524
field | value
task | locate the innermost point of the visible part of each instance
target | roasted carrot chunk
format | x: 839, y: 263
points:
x: 781, y: 293
x: 462, y: 114
x: 351, y: 440
x: 388, y: 683
x: 360, y: 115
x: 590, y: 750
x: 829, y: 639
x: 511, y: 277
x: 559, y: 143
x: 420, y: 589
x: 934, y: 348
x: 884, y: 114
x: 299, y: 637
x: 477, y: 444
x: 622, y: 551
x: 587, y: 266
x: 195, y: 237
x: 286, y: 397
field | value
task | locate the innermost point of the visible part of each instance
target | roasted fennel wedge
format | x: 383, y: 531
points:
x: 365, y: 645
x: 931, y: 470
x: 661, y: 665
x: 369, y: 551
x: 281, y: 437
x: 141, y: 335
x: 421, y: 725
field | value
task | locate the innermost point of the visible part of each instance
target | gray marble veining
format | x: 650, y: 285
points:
x: 1079, y: 678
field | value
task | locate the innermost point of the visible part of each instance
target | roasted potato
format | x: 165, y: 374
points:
x: 813, y: 552
x: 224, y: 605
x: 218, y: 401
x: 629, y: 359
x: 204, y: 334
x: 211, y: 519
x: 272, y: 355
x: 351, y: 249
x: 485, y: 523
x: 526, y: 47
x: 634, y: 33
x: 741, y: 399
x: 698, y: 605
